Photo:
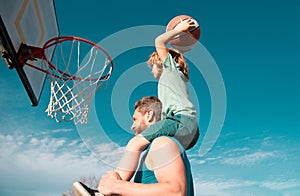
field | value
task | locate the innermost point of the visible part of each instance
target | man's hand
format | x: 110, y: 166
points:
x: 107, y: 182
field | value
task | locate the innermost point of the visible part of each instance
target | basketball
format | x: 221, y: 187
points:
x: 184, y: 41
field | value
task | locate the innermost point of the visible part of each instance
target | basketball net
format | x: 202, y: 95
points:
x: 74, y: 81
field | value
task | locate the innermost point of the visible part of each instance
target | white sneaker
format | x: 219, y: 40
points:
x: 81, y: 189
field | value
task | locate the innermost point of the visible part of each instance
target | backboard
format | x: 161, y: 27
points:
x: 30, y: 22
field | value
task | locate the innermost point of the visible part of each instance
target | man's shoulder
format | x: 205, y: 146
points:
x: 165, y: 143
x: 162, y: 152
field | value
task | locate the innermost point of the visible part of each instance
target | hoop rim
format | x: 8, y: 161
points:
x: 59, y: 39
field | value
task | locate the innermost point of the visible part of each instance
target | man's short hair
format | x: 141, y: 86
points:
x: 149, y: 103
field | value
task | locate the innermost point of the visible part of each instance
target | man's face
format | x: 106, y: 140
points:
x: 140, y: 121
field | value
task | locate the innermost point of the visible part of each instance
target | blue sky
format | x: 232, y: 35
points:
x: 255, y: 48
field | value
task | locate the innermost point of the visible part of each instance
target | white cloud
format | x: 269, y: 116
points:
x: 224, y: 187
x: 240, y: 149
x: 220, y: 187
x: 38, y: 164
x: 104, y: 152
x: 249, y: 159
x: 49, y: 165
x: 283, y: 184
x: 62, y: 130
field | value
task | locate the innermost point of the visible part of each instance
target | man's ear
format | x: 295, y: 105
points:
x: 150, y: 115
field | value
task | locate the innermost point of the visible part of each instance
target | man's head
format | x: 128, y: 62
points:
x: 146, y: 112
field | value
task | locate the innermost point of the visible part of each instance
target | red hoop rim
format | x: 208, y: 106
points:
x: 56, y: 40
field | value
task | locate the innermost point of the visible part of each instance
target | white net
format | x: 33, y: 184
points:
x: 74, y: 80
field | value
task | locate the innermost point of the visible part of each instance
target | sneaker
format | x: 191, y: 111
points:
x: 81, y: 189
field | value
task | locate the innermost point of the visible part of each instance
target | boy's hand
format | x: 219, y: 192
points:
x: 185, y: 25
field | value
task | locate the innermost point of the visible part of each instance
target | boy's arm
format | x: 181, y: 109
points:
x: 162, y: 40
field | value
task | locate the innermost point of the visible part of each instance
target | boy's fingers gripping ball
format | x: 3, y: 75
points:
x: 184, y: 41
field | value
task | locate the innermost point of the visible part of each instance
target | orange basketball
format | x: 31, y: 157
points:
x: 184, y: 41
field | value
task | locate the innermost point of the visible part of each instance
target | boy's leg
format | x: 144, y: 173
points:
x: 188, y: 132
x: 165, y: 127
x: 129, y: 161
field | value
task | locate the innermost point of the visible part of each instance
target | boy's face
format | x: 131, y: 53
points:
x: 140, y: 121
x: 156, y: 70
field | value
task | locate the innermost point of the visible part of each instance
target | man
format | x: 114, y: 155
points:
x: 164, y: 168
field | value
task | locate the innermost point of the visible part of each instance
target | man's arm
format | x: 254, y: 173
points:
x: 165, y: 160
x: 130, y: 159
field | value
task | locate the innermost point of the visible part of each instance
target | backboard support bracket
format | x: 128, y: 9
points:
x: 10, y: 54
x: 27, y: 52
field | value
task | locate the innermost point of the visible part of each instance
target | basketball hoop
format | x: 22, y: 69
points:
x: 76, y: 68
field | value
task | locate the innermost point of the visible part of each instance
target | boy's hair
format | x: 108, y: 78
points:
x: 178, y: 58
x: 149, y: 103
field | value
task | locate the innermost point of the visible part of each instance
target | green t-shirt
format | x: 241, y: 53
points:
x: 172, y: 90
